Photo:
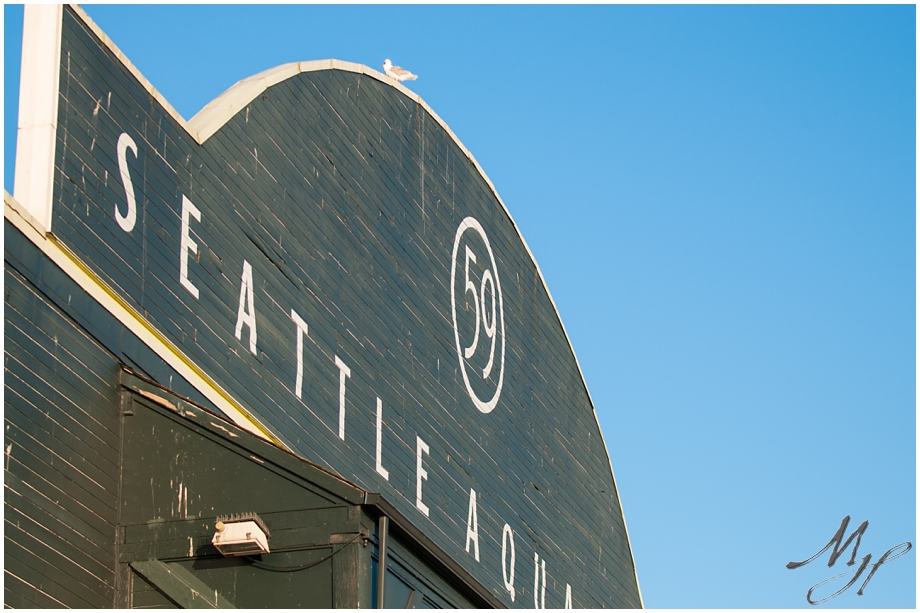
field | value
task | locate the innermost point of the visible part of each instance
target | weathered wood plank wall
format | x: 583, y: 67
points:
x: 343, y: 198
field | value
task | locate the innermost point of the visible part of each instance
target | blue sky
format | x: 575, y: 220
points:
x: 722, y: 201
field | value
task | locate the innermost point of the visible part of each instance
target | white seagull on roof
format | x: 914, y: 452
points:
x: 398, y: 73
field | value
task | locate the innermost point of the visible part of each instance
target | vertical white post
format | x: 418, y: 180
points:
x: 38, y: 110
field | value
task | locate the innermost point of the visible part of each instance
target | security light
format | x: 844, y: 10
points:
x: 241, y: 535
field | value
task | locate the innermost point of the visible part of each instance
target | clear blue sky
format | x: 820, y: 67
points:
x: 722, y: 201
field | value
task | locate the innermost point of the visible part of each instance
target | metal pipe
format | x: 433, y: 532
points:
x: 383, y: 525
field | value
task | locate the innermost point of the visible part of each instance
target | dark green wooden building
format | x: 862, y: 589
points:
x: 293, y: 352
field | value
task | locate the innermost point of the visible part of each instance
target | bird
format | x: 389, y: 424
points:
x: 398, y: 73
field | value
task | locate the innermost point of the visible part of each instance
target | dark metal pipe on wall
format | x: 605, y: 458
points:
x: 383, y: 525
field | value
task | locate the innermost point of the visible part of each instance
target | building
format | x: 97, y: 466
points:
x: 252, y: 355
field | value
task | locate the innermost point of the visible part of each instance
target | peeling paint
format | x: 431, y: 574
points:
x: 220, y: 427
x: 182, y: 509
x: 159, y: 400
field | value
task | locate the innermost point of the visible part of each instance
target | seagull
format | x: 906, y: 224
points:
x: 400, y: 74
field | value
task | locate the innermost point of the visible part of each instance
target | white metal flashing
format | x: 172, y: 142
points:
x: 38, y: 110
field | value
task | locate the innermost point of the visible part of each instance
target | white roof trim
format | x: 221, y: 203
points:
x: 220, y: 110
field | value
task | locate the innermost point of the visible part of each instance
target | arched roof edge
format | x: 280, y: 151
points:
x: 220, y: 110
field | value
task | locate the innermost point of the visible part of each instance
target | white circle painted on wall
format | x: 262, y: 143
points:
x: 482, y: 360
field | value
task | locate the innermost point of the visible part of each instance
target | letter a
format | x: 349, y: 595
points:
x: 472, y: 527
x: 245, y: 316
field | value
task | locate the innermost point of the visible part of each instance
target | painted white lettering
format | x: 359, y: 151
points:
x: 508, y: 573
x: 345, y: 373
x: 302, y: 331
x: 568, y: 596
x: 490, y: 330
x: 186, y: 244
x: 471, y: 287
x: 380, y: 469
x: 537, y: 591
x: 543, y: 587
x: 472, y: 526
x: 247, y: 315
x: 493, y: 326
x: 127, y: 220
x: 420, y: 474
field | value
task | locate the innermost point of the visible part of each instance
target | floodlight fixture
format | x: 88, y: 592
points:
x: 241, y: 535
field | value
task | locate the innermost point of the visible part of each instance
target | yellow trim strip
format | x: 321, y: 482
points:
x: 99, y: 290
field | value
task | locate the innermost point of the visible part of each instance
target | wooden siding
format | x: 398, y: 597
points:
x: 62, y: 444
x: 72, y: 519
x: 345, y: 197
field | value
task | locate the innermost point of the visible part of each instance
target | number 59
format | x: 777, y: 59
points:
x: 480, y: 299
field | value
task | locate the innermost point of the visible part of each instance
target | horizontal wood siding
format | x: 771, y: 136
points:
x: 345, y: 197
x: 63, y: 356
x: 61, y: 440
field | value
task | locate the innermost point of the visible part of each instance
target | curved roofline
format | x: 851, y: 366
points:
x: 220, y: 110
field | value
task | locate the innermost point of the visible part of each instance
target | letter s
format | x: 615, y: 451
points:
x: 126, y: 221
